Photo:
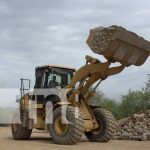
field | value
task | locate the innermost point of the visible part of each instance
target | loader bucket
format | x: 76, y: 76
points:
x: 119, y: 45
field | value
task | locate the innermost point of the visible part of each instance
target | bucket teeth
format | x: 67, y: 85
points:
x: 120, y: 45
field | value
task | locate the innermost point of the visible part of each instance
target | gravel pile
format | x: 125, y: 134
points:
x: 136, y: 127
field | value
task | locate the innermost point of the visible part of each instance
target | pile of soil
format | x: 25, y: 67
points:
x: 136, y: 127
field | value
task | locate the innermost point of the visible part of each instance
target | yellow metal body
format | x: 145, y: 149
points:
x: 85, y: 77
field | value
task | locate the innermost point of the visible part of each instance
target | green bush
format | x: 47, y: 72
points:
x: 130, y: 103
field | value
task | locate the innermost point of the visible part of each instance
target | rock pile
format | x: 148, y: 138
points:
x: 136, y: 127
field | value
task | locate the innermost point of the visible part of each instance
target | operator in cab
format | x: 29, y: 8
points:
x: 53, y: 83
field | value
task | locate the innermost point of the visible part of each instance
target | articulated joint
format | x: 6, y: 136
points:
x: 91, y: 60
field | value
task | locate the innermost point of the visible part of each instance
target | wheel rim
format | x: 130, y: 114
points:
x: 99, y: 128
x: 15, y: 127
x: 60, y: 126
x: 15, y: 124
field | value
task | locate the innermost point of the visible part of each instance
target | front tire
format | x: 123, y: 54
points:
x: 67, y: 134
x: 106, y: 126
x: 18, y: 131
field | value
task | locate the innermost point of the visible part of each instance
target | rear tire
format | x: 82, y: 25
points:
x: 67, y: 134
x: 107, y: 126
x: 18, y: 131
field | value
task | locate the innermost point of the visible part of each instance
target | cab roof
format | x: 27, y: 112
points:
x: 55, y: 66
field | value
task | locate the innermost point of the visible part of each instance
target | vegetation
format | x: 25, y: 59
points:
x: 130, y: 103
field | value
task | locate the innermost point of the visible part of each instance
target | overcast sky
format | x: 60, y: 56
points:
x: 38, y: 32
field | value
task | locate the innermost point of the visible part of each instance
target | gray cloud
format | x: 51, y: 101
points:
x: 40, y: 32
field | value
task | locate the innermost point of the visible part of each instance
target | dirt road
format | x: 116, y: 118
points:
x: 43, y: 142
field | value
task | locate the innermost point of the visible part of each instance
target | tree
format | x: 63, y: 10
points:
x: 130, y: 103
x: 147, y: 86
x: 101, y: 100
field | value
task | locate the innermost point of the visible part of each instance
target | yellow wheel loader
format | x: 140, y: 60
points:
x: 68, y: 89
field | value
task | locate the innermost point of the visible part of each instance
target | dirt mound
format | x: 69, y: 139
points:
x: 136, y: 127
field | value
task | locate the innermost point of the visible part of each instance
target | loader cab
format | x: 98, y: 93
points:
x: 53, y: 76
